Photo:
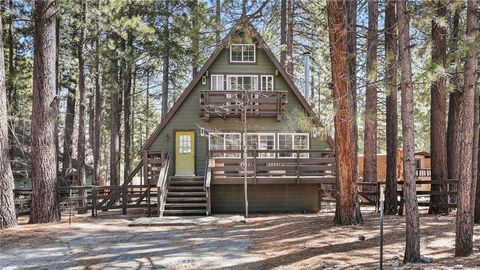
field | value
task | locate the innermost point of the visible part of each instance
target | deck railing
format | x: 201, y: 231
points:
x: 162, y: 185
x: 228, y: 103
x: 423, y: 173
x: 272, y: 166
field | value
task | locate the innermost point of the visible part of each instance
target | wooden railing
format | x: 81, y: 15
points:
x: 75, y: 198
x: 208, y: 181
x: 273, y: 166
x: 368, y: 193
x: 228, y: 103
x: 423, y: 173
x: 121, y: 197
x: 162, y: 185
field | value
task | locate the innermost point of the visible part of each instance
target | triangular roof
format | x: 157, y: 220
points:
x: 212, y: 59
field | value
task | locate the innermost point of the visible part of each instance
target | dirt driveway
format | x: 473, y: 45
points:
x: 294, y: 241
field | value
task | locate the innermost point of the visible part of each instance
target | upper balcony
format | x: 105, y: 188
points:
x: 234, y: 104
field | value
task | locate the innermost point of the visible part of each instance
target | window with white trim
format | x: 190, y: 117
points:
x: 242, y: 82
x: 260, y: 141
x: 242, y: 53
x: 216, y: 82
x: 293, y: 141
x: 225, y: 141
x: 266, y: 83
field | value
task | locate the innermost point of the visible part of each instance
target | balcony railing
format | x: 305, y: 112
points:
x: 227, y: 104
x: 423, y: 173
x: 272, y: 166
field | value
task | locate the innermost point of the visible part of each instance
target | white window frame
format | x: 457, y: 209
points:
x: 294, y: 155
x: 217, y: 77
x: 229, y: 88
x: 243, y: 61
x: 224, y: 144
x: 258, y: 134
x: 267, y: 77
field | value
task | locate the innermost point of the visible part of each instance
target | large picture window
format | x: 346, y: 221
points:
x: 242, y: 53
x: 260, y: 141
x: 242, y: 82
x: 225, y: 141
x: 293, y: 141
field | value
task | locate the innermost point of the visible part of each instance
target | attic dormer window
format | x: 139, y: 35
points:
x: 242, y: 53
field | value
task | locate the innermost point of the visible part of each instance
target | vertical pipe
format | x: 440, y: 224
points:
x: 306, y: 93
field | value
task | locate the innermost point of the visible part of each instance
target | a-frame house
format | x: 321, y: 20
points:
x: 242, y: 96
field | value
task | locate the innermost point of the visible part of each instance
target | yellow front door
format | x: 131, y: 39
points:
x: 185, y: 153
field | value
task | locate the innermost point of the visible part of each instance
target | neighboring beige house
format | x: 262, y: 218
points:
x: 423, y: 167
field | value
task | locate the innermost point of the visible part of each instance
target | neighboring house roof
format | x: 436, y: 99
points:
x: 212, y: 59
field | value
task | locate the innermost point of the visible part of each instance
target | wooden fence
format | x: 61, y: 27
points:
x: 368, y: 193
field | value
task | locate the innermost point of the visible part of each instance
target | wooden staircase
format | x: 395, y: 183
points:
x: 186, y: 196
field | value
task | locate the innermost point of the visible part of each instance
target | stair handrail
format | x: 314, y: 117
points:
x: 208, y: 180
x: 162, y: 184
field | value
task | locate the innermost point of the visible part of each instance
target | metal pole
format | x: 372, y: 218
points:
x: 306, y: 92
x: 382, y: 200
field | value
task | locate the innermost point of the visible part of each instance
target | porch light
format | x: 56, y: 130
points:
x: 204, y: 80
x: 202, y: 132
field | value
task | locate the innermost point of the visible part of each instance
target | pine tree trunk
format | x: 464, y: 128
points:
x: 11, y: 89
x: 7, y: 204
x: 166, y: 60
x: 347, y: 207
x: 370, y: 133
x: 127, y: 105
x: 438, y: 116
x: 68, y: 132
x: 98, y: 114
x: 454, y: 106
x: 218, y: 26
x: 195, y: 37
x: 283, y: 32
x: 290, y: 17
x: 467, y: 181
x: 44, y: 205
x: 391, y: 107
x: 81, y: 177
x: 412, y: 249
x: 115, y: 94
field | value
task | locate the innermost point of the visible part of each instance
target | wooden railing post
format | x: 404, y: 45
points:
x: 255, y: 166
x: 94, y: 201
x: 298, y: 167
x: 124, y: 200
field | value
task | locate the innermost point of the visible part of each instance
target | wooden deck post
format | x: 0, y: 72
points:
x: 255, y: 166
x: 94, y: 201
x: 298, y: 167
x: 124, y: 200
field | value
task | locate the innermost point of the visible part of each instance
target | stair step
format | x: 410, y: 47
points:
x: 194, y: 188
x: 188, y: 178
x: 186, y: 199
x: 186, y: 194
x: 186, y: 205
x: 186, y: 183
x: 184, y: 212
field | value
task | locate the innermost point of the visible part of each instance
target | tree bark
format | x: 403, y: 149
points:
x: 370, y: 132
x: 68, y: 131
x: 98, y: 114
x: 127, y: 105
x: 195, y: 37
x: 166, y: 60
x: 467, y: 181
x: 218, y: 26
x: 347, y: 207
x: 81, y: 177
x: 283, y: 32
x: 44, y: 205
x: 391, y: 107
x: 438, y: 103
x: 7, y: 205
x: 412, y: 249
x: 290, y: 17
x: 115, y: 117
x: 454, y: 105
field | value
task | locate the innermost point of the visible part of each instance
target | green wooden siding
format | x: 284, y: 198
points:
x: 265, y: 198
x: 187, y: 116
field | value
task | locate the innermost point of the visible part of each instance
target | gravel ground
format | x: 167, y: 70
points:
x: 280, y: 241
